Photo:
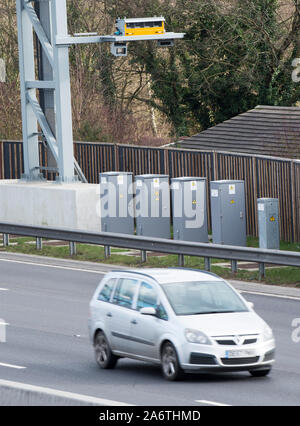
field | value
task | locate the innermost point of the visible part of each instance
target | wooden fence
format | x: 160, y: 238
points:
x: 263, y: 176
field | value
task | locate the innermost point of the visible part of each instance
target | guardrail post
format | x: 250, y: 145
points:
x: 73, y: 248
x: 5, y: 240
x: 143, y: 256
x: 207, y: 263
x: 145, y: 244
x: 107, y: 252
x: 181, y: 260
x: 262, y: 271
x: 234, y: 266
x: 39, y: 243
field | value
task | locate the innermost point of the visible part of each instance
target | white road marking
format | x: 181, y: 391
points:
x: 218, y: 404
x: 53, y: 266
x: 260, y: 293
x: 17, y: 367
x: 61, y: 394
x: 3, y: 289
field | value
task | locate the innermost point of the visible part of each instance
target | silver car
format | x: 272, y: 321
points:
x: 184, y: 320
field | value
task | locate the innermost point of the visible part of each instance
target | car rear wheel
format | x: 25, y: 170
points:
x: 103, y: 354
x: 170, y: 364
x: 260, y: 373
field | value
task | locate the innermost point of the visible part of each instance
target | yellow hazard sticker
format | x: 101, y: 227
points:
x: 193, y: 185
x: 232, y: 189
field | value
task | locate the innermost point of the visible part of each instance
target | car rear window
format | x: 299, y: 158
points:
x: 106, y: 290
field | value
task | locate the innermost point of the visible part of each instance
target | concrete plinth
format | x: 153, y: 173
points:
x: 73, y: 206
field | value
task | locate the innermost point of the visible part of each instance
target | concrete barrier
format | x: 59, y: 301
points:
x: 20, y: 394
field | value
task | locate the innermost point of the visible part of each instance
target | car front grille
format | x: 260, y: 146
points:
x: 225, y: 342
x: 240, y: 361
x: 229, y: 340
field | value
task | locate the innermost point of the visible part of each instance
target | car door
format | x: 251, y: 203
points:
x: 121, y: 314
x: 146, y: 329
x: 101, y: 305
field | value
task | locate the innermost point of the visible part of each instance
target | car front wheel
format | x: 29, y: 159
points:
x: 103, y: 354
x: 170, y: 364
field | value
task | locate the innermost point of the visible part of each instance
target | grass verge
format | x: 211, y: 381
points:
x: 287, y: 276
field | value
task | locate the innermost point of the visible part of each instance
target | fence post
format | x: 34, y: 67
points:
x: 39, y: 243
x: 5, y: 240
x: 117, y: 158
x: 207, y: 263
x: 181, y: 260
x: 166, y: 162
x: 73, y: 248
x: 255, y: 194
x: 293, y: 200
x: 1, y: 160
x: 143, y: 256
x: 234, y: 266
x: 262, y: 271
x: 215, y: 166
x: 107, y: 252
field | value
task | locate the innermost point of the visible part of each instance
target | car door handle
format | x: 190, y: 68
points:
x: 109, y: 314
x: 134, y: 321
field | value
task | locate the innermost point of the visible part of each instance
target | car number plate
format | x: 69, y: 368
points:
x: 239, y: 353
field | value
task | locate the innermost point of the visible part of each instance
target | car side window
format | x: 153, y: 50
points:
x: 106, y: 290
x: 147, y: 297
x: 125, y: 292
x: 161, y: 312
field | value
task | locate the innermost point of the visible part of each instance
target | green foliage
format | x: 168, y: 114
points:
x: 235, y: 56
x: 91, y: 253
x: 89, y: 133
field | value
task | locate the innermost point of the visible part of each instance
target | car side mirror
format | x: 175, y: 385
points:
x: 148, y: 311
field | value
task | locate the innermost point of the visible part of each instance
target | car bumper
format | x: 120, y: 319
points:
x: 219, y: 358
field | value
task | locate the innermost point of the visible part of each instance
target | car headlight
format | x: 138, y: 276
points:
x: 196, y: 336
x: 267, y: 333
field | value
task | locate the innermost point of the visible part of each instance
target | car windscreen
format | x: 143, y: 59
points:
x: 203, y: 297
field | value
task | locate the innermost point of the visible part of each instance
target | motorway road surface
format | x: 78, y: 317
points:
x: 47, y: 345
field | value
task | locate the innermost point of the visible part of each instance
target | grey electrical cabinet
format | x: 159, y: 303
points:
x: 152, y: 205
x: 268, y: 223
x: 228, y: 212
x: 189, y: 209
x: 116, y: 199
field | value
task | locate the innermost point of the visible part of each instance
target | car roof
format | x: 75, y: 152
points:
x: 169, y: 275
